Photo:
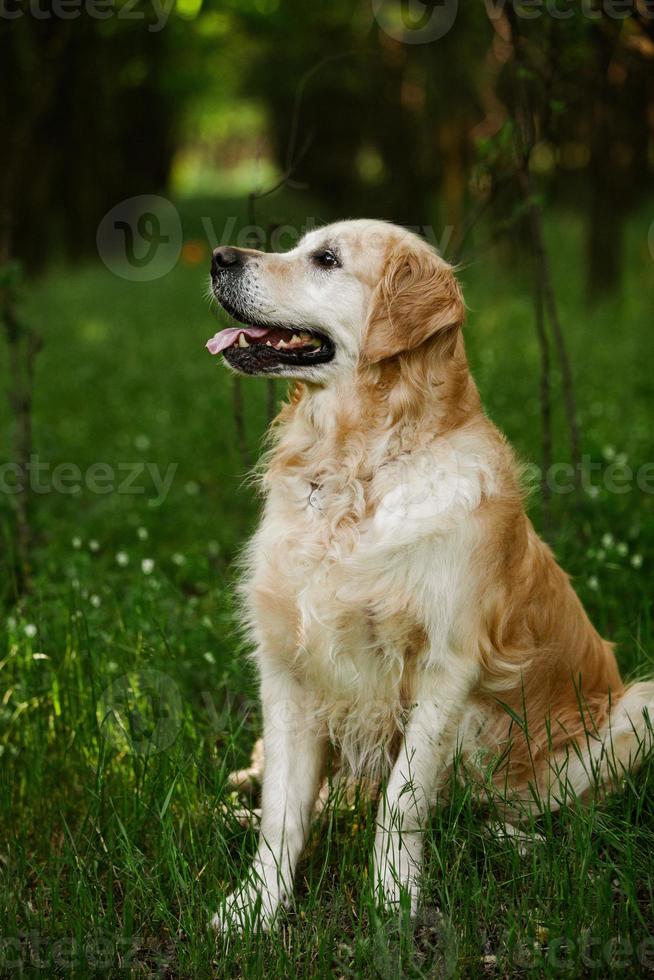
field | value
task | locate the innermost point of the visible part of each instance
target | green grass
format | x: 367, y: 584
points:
x: 117, y: 845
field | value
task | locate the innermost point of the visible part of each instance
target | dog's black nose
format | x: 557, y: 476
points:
x: 226, y: 258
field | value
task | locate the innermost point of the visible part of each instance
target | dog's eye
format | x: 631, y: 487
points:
x: 325, y: 259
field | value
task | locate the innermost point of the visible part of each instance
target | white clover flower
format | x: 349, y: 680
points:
x: 608, y: 452
x: 192, y: 488
x: 142, y: 533
x: 122, y: 558
x: 30, y: 630
x: 40, y: 656
x: 147, y: 566
x: 94, y: 545
x: 142, y: 442
x: 593, y: 583
x: 76, y: 543
x: 607, y: 540
x: 637, y: 561
x: 11, y: 623
x: 95, y: 601
x: 209, y: 657
x: 621, y: 459
x: 178, y: 559
x: 593, y: 492
x: 622, y: 548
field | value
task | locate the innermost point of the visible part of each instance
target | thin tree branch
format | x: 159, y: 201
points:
x: 525, y: 138
x: 545, y: 395
x: 239, y: 421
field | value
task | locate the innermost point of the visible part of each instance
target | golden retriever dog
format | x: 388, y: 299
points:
x: 400, y: 604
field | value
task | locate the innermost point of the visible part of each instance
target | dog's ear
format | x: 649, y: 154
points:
x: 418, y: 298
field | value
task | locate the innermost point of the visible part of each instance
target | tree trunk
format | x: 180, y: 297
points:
x: 606, y: 210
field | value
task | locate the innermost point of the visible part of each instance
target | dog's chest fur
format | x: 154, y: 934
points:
x: 330, y: 595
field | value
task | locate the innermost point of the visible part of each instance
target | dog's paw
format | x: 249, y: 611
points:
x: 248, y: 780
x: 396, y: 877
x: 524, y: 839
x: 394, y: 895
x: 248, y: 909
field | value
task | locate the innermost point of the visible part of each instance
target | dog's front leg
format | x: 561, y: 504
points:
x: 294, y: 751
x: 427, y: 748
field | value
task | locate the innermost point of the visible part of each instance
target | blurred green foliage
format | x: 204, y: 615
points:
x: 218, y: 96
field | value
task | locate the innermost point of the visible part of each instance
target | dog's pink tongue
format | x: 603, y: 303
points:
x: 225, y: 338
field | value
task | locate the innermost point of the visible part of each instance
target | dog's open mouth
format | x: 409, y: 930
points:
x: 255, y: 348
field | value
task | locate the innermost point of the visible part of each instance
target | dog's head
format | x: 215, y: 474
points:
x: 350, y: 294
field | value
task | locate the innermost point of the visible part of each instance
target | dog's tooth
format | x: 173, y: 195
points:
x: 268, y: 343
x: 297, y: 338
x: 281, y: 343
x: 242, y: 340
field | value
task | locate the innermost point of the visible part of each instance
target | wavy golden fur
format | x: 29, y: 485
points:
x: 413, y: 611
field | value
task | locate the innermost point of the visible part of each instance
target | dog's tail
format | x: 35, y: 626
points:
x: 603, y: 758
x: 583, y: 759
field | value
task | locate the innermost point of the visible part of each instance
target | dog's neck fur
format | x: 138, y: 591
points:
x: 380, y: 412
x: 439, y: 391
